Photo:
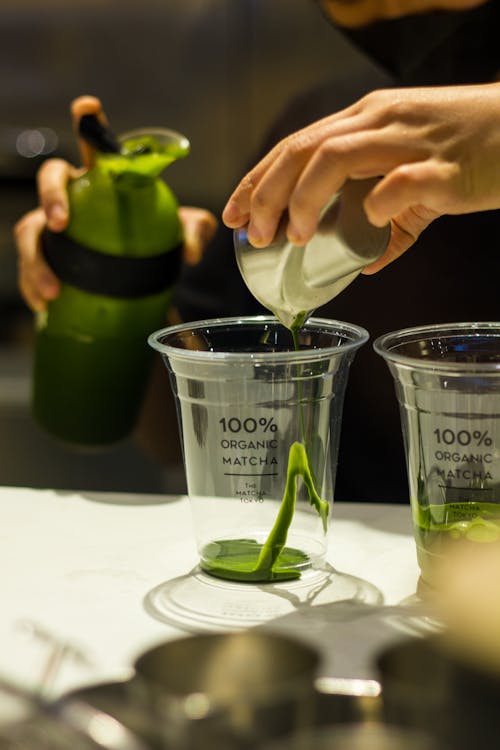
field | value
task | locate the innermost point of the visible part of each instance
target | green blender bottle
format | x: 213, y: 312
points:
x: 118, y: 261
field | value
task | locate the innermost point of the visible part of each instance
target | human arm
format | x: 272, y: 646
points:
x: 37, y: 282
x: 354, y: 13
x: 435, y: 149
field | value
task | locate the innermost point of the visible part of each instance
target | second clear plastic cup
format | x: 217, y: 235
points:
x: 260, y: 423
x: 447, y: 381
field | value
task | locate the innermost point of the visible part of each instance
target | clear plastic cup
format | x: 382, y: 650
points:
x: 447, y: 380
x: 260, y: 425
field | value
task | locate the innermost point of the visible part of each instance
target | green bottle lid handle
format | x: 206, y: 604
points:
x: 95, y: 133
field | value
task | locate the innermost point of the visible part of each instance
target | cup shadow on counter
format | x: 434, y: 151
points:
x: 197, y: 602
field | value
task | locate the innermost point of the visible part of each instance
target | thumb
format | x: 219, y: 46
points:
x: 405, y: 230
x: 86, y: 105
x: 199, y: 228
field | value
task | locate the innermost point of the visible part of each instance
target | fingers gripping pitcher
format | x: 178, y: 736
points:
x: 118, y: 260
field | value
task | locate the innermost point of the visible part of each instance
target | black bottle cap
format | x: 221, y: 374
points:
x: 95, y: 133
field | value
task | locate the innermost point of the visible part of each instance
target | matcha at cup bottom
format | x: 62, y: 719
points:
x: 447, y: 380
x: 260, y: 423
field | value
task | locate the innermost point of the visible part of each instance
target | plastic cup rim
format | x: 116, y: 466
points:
x: 405, y: 335
x: 291, y: 355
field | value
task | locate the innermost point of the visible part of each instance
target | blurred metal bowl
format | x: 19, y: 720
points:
x: 227, y: 689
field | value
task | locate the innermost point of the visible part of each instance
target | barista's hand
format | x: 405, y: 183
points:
x: 352, y: 13
x: 37, y: 282
x: 437, y: 150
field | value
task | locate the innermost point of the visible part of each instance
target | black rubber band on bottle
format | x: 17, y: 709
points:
x: 110, y: 275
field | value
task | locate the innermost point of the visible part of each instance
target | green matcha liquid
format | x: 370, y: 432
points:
x: 455, y: 495
x: 440, y: 525
x: 92, y: 361
x: 251, y: 561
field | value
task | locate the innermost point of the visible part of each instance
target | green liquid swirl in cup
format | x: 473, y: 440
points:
x: 437, y: 526
x: 251, y: 561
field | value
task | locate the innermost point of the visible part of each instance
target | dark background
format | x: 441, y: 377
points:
x: 218, y: 71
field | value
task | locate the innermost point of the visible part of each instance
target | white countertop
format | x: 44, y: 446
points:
x: 80, y: 565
